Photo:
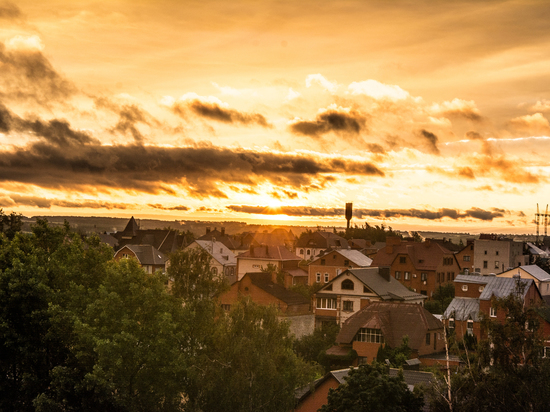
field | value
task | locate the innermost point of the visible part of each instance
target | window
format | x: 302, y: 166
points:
x: 451, y: 323
x: 424, y: 276
x: 497, y: 264
x: 328, y: 287
x: 214, y: 271
x: 402, y: 259
x: 493, y: 312
x: 226, y: 307
x: 481, y: 288
x: 470, y: 327
x: 485, y: 252
x: 369, y: 335
x: 397, y: 275
x: 465, y: 288
x: 318, y: 278
x: 484, y: 264
x: 346, y: 262
x: 323, y: 262
x: 407, y: 275
x: 301, y: 251
x: 347, y: 306
x: 424, y: 292
x: 428, y: 338
x: 326, y: 277
x: 466, y: 258
x: 308, y: 251
x: 546, y: 352
x: 334, y: 256
x: 496, y: 252
x: 326, y: 303
x: 347, y: 284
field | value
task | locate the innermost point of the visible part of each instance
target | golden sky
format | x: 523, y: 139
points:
x: 424, y: 114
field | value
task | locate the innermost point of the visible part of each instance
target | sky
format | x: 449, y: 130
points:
x: 426, y: 115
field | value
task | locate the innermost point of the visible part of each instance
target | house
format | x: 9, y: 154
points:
x: 259, y: 258
x: 423, y: 267
x: 387, y: 323
x: 540, y: 276
x: 354, y: 289
x: 310, y: 398
x: 277, y: 237
x: 465, y: 258
x: 263, y: 288
x: 222, y: 260
x: 230, y: 242
x: 495, y: 254
x: 150, y: 258
x: 164, y: 240
x: 326, y: 267
x: 473, y: 295
x: 310, y: 244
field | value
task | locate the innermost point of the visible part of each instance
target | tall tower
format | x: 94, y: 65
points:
x: 349, y: 212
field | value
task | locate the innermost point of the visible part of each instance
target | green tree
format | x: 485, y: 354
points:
x: 10, y: 224
x: 370, y: 388
x: 441, y: 299
x: 396, y: 356
x: 247, y: 364
x: 311, y: 347
x: 81, y: 332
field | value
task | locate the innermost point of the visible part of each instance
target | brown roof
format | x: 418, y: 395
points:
x: 425, y: 255
x: 263, y: 281
x: 269, y: 252
x: 396, y: 320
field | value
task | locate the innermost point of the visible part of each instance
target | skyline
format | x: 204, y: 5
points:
x: 425, y: 115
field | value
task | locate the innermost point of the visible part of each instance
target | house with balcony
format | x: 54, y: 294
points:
x: 354, y: 289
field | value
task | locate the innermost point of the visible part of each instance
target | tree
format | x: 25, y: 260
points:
x: 79, y: 332
x: 247, y: 364
x: 370, y: 388
x: 396, y: 356
x: 507, y: 372
x: 441, y: 299
x: 10, y: 224
x: 311, y: 347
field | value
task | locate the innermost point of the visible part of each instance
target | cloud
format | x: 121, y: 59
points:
x: 432, y: 140
x: 458, y: 108
x: 304, y: 211
x: 10, y: 11
x: 535, y: 123
x: 214, y: 110
x: 25, y: 43
x: 541, y: 106
x: 339, y: 121
x: 201, y: 169
x: 162, y: 207
x: 27, y: 75
x: 45, y: 203
x: 377, y: 90
x: 320, y: 80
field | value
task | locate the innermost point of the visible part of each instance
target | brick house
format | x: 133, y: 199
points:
x: 388, y: 323
x: 465, y: 258
x: 353, y: 289
x: 540, y: 276
x: 326, y: 267
x: 258, y: 258
x: 423, y: 267
x: 473, y: 295
x: 310, y: 245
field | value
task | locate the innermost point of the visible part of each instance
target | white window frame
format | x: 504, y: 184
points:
x: 326, y: 277
x: 465, y: 288
x: 493, y: 312
x: 326, y: 303
x: 318, y: 277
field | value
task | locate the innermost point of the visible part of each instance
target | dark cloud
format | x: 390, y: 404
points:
x: 28, y: 75
x: 304, y: 211
x: 10, y: 11
x: 375, y: 148
x: 151, y: 169
x: 162, y: 207
x: 431, y: 140
x: 469, y: 113
x: 466, y: 172
x: 473, y: 135
x: 44, y: 203
x: 214, y: 112
x: 339, y: 122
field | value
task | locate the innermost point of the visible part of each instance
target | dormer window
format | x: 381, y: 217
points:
x: 347, y: 284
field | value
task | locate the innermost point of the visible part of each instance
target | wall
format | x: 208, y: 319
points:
x: 300, y: 325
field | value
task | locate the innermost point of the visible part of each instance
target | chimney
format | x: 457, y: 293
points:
x: 393, y: 240
x: 223, y: 231
x: 427, y: 242
x: 266, y: 250
x: 384, y: 271
x: 207, y: 230
x: 251, y: 249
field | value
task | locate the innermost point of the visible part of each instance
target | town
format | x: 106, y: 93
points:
x: 414, y: 305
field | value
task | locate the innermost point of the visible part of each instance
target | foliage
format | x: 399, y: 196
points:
x: 311, y: 347
x: 370, y: 388
x: 10, y: 224
x: 80, y: 332
x: 416, y: 237
x: 373, y: 233
x: 396, y: 356
x: 507, y: 372
x: 306, y: 291
x: 441, y: 299
x: 247, y: 364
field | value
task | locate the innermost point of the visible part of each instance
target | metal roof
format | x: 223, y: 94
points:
x: 218, y: 251
x: 463, y: 309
